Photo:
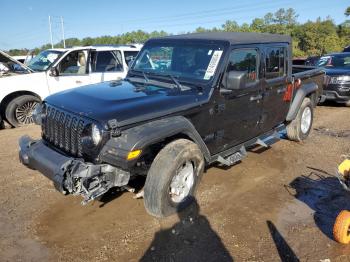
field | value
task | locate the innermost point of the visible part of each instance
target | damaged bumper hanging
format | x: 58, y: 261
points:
x: 71, y: 175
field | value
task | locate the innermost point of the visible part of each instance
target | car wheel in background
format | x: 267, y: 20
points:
x: 20, y: 110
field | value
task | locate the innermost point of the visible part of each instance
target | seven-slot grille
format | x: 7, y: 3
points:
x: 63, y: 130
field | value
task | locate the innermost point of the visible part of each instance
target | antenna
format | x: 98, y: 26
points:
x: 62, y: 27
x: 50, y: 30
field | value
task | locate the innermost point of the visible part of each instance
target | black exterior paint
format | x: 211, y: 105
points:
x: 340, y: 91
x: 221, y: 120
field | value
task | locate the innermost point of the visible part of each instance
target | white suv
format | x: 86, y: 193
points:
x: 54, y: 70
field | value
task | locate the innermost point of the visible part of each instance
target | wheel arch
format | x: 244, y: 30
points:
x: 306, y: 90
x: 152, y: 134
x: 8, y: 98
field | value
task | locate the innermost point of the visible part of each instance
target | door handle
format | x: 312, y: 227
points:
x: 281, y: 90
x: 78, y: 82
x: 256, y: 98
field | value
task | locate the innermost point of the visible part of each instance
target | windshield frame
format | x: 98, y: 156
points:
x: 224, y: 45
x: 58, y: 52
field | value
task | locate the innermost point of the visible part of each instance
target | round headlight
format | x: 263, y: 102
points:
x: 91, y: 136
x: 96, y: 134
x: 37, y: 114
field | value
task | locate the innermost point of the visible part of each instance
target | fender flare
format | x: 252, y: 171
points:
x: 145, y: 135
x: 302, y: 92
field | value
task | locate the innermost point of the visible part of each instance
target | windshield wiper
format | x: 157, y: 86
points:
x: 145, y: 76
x: 177, y: 83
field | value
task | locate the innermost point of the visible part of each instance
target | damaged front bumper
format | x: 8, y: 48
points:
x: 71, y: 175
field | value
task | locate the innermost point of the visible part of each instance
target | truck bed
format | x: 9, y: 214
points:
x: 309, y: 74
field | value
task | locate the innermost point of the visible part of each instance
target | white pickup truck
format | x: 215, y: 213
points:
x: 54, y: 70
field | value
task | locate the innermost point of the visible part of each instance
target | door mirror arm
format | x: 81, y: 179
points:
x: 54, y: 72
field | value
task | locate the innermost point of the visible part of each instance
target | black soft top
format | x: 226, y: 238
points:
x: 233, y: 37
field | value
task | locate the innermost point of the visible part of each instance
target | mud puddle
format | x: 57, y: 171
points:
x: 332, y: 133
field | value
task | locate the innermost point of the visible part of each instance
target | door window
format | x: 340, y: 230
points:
x: 107, y: 61
x: 75, y: 63
x: 275, y: 62
x: 130, y: 55
x: 244, y: 60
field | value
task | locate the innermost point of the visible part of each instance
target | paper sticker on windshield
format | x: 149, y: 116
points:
x: 214, y: 61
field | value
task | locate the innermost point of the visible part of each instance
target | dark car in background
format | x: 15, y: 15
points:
x: 347, y: 49
x: 309, y: 61
x: 337, y: 67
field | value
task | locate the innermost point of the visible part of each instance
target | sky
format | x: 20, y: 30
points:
x: 24, y: 23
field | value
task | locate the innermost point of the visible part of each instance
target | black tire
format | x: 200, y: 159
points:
x: 169, y: 160
x: 2, y: 124
x: 19, y: 103
x: 294, y: 130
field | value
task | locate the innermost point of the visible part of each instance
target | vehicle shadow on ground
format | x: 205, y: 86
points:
x: 284, y: 250
x: 323, y: 193
x: 328, y: 103
x: 191, y: 239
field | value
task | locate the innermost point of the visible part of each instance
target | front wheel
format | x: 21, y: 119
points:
x: 300, y: 127
x: 20, y: 110
x: 173, y: 178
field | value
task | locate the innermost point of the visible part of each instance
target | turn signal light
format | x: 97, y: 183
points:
x: 134, y: 154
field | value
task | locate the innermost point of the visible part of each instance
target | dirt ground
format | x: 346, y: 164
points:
x: 278, y: 204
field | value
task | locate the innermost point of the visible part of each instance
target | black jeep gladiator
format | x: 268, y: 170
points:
x: 188, y: 101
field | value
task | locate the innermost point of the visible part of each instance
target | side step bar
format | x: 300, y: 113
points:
x: 234, y: 158
x: 236, y: 154
x: 268, y: 140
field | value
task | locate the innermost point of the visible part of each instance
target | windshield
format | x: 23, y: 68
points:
x: 180, y: 60
x: 336, y: 61
x: 43, y: 60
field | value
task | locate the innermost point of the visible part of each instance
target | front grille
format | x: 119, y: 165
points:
x: 63, y: 130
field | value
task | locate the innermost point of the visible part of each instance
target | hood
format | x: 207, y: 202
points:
x: 9, y: 61
x: 125, y: 102
x: 336, y: 71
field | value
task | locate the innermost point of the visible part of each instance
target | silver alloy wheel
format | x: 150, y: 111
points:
x: 306, y: 120
x: 24, y: 113
x: 182, y: 182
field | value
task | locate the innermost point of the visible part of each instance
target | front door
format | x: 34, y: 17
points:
x: 107, y: 66
x: 73, y: 71
x: 242, y: 108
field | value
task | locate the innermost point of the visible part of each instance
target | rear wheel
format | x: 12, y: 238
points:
x: 20, y: 110
x: 173, y: 178
x: 341, y: 227
x: 300, y: 127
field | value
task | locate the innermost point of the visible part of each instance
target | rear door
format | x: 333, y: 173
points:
x: 242, y: 108
x: 106, y: 66
x: 274, y: 85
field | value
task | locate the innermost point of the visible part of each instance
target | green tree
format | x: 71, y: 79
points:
x: 318, y: 38
x: 347, y: 11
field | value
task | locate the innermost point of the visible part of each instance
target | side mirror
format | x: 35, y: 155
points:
x: 54, y: 72
x: 235, y: 80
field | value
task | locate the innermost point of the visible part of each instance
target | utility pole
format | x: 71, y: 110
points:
x: 62, y: 27
x: 50, y: 30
